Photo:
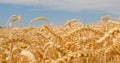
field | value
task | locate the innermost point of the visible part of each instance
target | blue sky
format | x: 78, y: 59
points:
x: 58, y: 11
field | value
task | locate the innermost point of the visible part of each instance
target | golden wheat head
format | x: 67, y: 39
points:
x: 16, y: 17
x: 39, y: 18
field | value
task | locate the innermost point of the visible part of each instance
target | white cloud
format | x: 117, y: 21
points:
x: 110, y: 6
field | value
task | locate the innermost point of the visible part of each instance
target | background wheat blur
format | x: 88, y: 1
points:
x: 73, y: 42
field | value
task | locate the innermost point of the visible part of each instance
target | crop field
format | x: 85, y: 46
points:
x: 73, y: 42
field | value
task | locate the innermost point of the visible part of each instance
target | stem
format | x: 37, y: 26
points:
x: 9, y: 20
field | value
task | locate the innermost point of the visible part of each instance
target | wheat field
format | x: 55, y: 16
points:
x: 73, y: 42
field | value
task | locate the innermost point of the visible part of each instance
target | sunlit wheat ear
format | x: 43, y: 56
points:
x: 16, y: 18
x: 69, y: 22
x: 107, y: 34
x: 114, y: 22
x: 39, y: 18
x: 104, y: 18
x: 29, y: 55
